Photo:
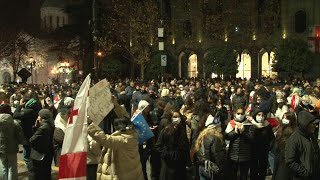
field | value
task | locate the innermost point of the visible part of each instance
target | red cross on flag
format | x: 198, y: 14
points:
x: 314, y: 39
x: 73, y: 159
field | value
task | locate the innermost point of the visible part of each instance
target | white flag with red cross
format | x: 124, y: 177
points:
x: 73, y: 159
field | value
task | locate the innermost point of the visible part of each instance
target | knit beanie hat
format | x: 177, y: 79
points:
x: 45, y: 113
x: 31, y: 103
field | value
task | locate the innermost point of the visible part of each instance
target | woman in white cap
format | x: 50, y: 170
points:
x: 211, y: 151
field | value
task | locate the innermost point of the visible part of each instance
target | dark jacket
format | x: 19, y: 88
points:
x: 174, y: 151
x: 42, y: 151
x: 302, y: 154
x: 213, y: 150
x: 263, y: 141
x: 240, y: 145
x: 239, y: 100
x: 28, y: 117
x: 11, y: 135
x: 58, y: 137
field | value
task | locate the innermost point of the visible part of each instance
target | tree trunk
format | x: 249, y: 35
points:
x: 142, y: 71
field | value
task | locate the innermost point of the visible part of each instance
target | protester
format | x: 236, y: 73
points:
x: 60, y: 123
x: 173, y: 145
x: 93, y: 156
x: 240, y: 147
x: 302, y: 154
x: 263, y: 142
x: 120, y: 155
x: 211, y: 151
x: 11, y: 135
x: 41, y: 146
x: 27, y: 113
x: 286, y: 128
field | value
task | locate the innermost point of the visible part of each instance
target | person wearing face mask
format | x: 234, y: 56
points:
x: 287, y: 126
x: 262, y: 144
x: 280, y: 106
x: 239, y: 154
x: 302, y: 153
x: 173, y: 146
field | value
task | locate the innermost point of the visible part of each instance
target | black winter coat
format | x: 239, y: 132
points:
x: 240, y: 145
x: 263, y: 141
x: 28, y: 117
x: 215, y: 151
x: 41, y: 151
x: 302, y: 154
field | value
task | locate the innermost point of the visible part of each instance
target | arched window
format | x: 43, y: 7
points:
x: 300, y: 21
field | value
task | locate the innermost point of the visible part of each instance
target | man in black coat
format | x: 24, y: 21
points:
x: 42, y: 147
x: 27, y: 113
x: 302, y: 154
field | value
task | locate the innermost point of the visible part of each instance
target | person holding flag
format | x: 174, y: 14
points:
x: 120, y: 155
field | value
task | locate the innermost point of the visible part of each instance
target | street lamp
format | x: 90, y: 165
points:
x: 99, y: 54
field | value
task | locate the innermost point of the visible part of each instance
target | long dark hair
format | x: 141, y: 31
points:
x: 285, y: 131
x: 174, y: 135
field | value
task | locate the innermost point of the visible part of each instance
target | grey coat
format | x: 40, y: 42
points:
x: 11, y: 135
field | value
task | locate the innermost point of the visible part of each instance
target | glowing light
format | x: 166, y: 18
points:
x: 284, y: 35
x: 200, y: 40
x: 254, y: 37
x: 225, y: 38
x: 173, y: 41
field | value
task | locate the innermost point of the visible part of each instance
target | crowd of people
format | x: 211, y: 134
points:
x: 203, y: 129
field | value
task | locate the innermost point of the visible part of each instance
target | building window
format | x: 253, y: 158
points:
x: 58, y: 23
x: 300, y: 21
x: 50, y: 21
x: 187, y: 29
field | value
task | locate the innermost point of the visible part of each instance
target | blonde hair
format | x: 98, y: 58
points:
x: 207, y: 132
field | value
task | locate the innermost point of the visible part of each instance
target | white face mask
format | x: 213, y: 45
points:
x: 232, y: 90
x: 176, y: 121
x: 279, y: 100
x: 259, y: 119
x: 285, y: 121
x: 239, y: 117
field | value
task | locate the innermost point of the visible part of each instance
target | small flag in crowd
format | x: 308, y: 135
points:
x: 142, y: 126
x: 73, y: 159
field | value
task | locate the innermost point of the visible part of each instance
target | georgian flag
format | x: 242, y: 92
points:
x: 73, y: 159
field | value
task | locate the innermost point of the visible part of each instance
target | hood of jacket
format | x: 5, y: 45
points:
x: 305, y: 118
